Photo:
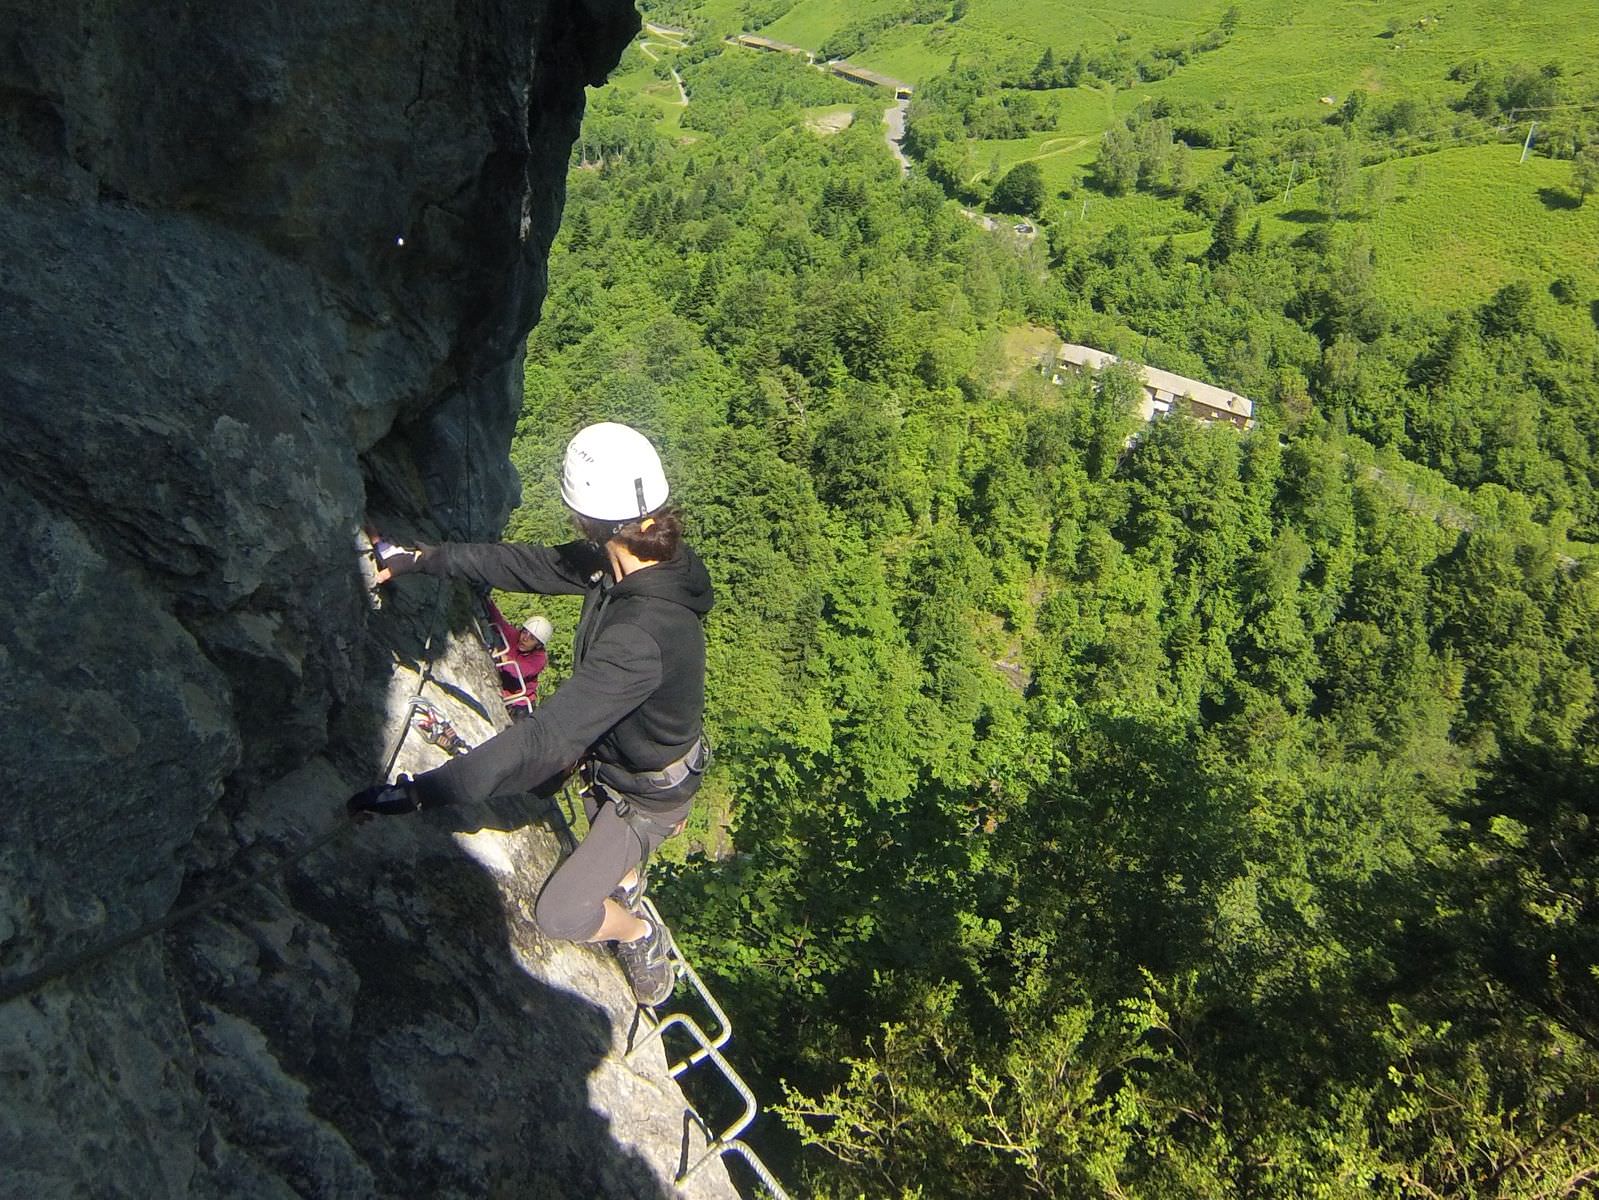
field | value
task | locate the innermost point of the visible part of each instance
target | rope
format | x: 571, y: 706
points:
x: 35, y: 980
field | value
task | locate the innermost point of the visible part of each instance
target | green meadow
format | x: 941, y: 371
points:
x: 1466, y: 221
x: 1284, y: 54
x: 1463, y: 219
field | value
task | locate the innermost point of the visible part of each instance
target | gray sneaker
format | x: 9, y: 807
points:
x: 646, y: 965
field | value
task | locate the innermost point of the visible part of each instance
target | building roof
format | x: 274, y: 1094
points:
x: 851, y: 71
x: 1175, y: 385
x: 750, y: 39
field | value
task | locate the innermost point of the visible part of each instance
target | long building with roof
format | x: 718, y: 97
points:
x: 1164, y: 391
x: 847, y: 70
x: 756, y: 42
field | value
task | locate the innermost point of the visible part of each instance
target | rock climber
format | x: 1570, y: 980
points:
x: 523, y: 659
x: 630, y: 714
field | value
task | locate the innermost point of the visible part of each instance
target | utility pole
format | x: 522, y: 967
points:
x: 1291, y: 168
x: 1527, y: 145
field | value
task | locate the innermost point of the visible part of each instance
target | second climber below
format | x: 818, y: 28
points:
x: 630, y: 714
x: 522, y: 659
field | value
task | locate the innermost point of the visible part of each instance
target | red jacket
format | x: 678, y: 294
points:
x: 530, y: 664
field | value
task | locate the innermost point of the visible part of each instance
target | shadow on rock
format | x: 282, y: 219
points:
x: 373, y: 1035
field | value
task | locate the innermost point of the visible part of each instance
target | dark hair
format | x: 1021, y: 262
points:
x: 654, y: 538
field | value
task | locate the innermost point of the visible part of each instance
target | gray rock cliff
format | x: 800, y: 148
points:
x: 265, y: 273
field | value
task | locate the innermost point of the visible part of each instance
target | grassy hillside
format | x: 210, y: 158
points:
x: 1460, y: 222
x: 1466, y: 221
x: 1285, y: 54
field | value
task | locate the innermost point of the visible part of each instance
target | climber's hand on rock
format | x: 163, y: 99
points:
x: 383, y: 800
x: 394, y: 560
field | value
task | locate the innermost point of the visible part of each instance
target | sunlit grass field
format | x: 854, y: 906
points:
x: 660, y: 94
x: 1463, y: 221
x: 1284, y: 54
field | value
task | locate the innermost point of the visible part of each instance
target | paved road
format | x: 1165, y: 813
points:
x: 894, y: 118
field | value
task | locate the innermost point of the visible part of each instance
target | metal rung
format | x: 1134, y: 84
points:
x: 743, y: 1150
x: 709, y: 1048
x: 727, y: 1142
x: 686, y: 969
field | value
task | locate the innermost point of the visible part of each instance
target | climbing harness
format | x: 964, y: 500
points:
x: 694, y: 761
x: 519, y: 702
x: 621, y: 789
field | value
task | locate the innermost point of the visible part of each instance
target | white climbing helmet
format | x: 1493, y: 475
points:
x: 540, y: 628
x: 612, y: 473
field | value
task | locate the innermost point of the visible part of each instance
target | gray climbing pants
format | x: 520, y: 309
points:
x: 572, y: 905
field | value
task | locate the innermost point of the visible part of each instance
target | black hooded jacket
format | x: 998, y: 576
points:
x: 637, y: 690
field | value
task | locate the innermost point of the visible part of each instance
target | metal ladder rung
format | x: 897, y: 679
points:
x: 709, y: 1048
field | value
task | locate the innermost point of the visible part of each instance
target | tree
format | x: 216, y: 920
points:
x: 853, y: 461
x: 706, y: 289
x: 1255, y: 240
x: 1509, y: 311
x: 1380, y: 189
x: 1224, y: 236
x: 1154, y: 142
x: 1116, y: 167
x: 1075, y: 67
x: 949, y: 164
x: 1021, y: 190
x: 1585, y: 172
x: 1112, y: 416
x: 1046, y: 74
x: 1340, y: 169
x: 1181, y: 168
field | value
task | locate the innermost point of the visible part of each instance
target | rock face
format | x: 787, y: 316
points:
x: 267, y: 271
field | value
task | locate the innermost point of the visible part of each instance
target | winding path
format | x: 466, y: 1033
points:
x: 644, y: 49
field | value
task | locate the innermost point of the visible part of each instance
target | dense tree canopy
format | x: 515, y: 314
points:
x: 1117, y: 810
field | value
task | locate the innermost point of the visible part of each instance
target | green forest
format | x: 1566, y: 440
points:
x: 1107, y: 809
